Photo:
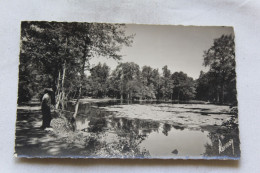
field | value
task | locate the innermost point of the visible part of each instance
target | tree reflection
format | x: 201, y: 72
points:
x: 104, y: 133
x: 222, y: 137
x: 129, y: 133
x: 166, y: 129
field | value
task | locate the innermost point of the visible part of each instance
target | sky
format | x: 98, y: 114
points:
x: 179, y: 47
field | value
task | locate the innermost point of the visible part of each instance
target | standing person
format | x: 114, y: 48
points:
x: 46, y: 107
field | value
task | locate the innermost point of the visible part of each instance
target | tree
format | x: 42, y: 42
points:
x: 220, y: 58
x: 147, y: 75
x: 59, y: 53
x: 124, y: 73
x: 149, y: 82
x: 114, y: 85
x: 39, y: 54
x: 184, y: 86
x: 52, y: 52
x: 206, y: 87
x: 202, y: 87
x: 167, y: 83
x: 99, y: 80
x: 156, y: 80
x: 98, y: 40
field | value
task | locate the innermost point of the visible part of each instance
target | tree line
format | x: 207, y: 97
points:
x: 56, y: 55
x: 129, y: 81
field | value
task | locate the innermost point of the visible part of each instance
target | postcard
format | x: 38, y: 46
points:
x: 102, y: 90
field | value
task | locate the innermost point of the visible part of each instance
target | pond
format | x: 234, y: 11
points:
x: 157, y: 130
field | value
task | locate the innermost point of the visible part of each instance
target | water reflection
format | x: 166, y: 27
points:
x: 119, y: 136
x: 176, y: 142
x: 224, y: 143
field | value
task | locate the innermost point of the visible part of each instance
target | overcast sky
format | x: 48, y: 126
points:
x: 179, y: 47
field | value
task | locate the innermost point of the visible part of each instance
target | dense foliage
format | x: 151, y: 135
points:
x: 219, y: 83
x: 129, y: 81
x: 56, y: 55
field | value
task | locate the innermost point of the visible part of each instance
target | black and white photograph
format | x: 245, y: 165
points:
x: 110, y: 90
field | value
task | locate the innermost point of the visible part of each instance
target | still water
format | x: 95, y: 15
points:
x: 155, y: 130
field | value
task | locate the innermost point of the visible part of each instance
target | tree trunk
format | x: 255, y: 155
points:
x: 81, y: 77
x: 62, y: 86
x: 61, y: 93
x: 80, y: 88
x: 58, y: 84
x: 77, y: 104
x: 121, y: 87
x: 58, y: 92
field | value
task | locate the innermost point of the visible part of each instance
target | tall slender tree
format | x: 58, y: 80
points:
x: 220, y: 58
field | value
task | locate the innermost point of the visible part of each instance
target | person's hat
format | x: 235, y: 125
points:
x: 48, y: 90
